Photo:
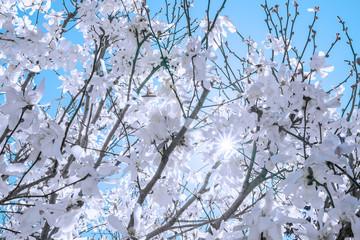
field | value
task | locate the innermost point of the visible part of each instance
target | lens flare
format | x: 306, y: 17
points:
x: 226, y: 144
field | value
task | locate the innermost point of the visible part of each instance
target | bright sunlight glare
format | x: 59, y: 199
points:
x: 226, y: 144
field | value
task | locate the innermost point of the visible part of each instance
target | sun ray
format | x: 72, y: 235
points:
x: 226, y: 144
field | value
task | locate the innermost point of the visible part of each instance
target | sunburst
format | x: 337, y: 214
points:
x: 226, y: 144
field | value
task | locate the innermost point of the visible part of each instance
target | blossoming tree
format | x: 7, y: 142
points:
x: 163, y: 131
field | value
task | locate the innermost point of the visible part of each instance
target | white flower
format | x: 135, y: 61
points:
x: 346, y: 209
x: 315, y: 9
x: 17, y: 102
x: 48, y: 140
x: 161, y: 195
x: 318, y: 63
x: 263, y: 219
x: 218, y: 30
x: 277, y: 45
x: 118, y: 225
